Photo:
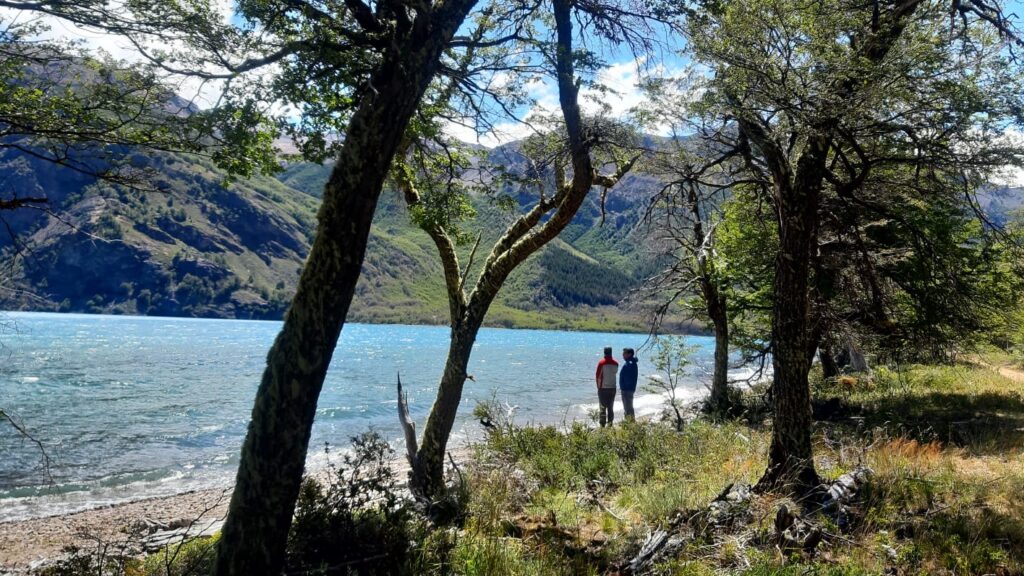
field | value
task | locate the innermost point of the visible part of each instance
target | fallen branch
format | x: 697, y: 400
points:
x: 408, y: 425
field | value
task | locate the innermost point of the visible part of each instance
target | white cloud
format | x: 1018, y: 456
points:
x: 621, y: 78
x: 116, y: 46
x: 541, y: 92
x: 1011, y: 175
x: 499, y: 134
x: 622, y: 93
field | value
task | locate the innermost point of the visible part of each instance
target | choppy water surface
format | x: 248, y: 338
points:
x: 128, y: 407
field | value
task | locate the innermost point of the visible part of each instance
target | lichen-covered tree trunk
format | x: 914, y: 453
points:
x: 790, y: 457
x: 428, y: 470
x: 274, y: 452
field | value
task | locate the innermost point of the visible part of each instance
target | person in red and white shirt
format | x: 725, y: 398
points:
x: 607, y: 371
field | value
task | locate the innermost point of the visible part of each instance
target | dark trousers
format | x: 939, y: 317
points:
x: 627, y: 404
x: 606, y: 397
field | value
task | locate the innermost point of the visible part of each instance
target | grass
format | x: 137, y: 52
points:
x: 943, y: 441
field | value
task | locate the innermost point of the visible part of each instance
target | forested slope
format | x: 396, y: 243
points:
x: 193, y: 246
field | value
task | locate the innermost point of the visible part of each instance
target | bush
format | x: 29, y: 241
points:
x: 355, y: 521
x: 193, y: 557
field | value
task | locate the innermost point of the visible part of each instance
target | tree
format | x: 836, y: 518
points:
x: 913, y: 281
x: 350, y: 77
x: 570, y: 147
x: 831, y: 96
x: 61, y: 103
x: 699, y: 170
x: 411, y: 45
x: 671, y: 357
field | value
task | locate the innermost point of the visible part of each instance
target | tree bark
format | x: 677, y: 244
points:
x: 829, y: 367
x: 427, y: 476
x: 274, y: 452
x: 720, y: 402
x: 790, y: 457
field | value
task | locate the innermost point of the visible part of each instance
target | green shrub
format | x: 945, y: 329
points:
x: 192, y: 557
x: 479, y: 555
x: 355, y: 521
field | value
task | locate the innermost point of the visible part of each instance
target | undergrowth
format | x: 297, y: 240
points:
x: 944, y: 496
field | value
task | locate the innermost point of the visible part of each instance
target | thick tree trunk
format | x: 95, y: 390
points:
x: 790, y: 457
x: 274, y: 452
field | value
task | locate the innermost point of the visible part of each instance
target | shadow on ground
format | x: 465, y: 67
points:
x: 983, y: 423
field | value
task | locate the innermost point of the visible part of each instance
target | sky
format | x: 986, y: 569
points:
x: 622, y: 74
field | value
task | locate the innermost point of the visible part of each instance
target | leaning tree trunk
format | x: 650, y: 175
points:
x: 427, y: 476
x: 790, y: 457
x: 274, y: 452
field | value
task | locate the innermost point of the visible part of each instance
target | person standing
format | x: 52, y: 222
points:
x: 607, y: 371
x: 627, y: 382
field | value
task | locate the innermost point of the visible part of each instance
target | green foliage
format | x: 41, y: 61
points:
x: 193, y: 557
x: 107, y: 561
x: 107, y: 227
x: 477, y: 555
x: 914, y: 115
x: 746, y: 241
x: 671, y: 358
x: 573, y: 280
x: 659, y: 469
x: 354, y: 520
x: 76, y: 109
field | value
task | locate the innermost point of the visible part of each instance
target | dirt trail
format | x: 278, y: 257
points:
x: 1010, y: 372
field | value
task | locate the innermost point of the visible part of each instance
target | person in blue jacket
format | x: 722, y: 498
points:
x: 627, y: 381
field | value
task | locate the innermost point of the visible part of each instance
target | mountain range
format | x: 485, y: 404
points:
x: 190, y: 245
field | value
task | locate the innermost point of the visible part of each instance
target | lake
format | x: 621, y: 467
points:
x: 129, y: 407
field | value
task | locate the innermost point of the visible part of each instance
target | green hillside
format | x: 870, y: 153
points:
x: 194, y: 247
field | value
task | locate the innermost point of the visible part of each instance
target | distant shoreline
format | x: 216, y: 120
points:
x: 688, y: 329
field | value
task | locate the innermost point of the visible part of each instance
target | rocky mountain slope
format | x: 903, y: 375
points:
x: 195, y: 247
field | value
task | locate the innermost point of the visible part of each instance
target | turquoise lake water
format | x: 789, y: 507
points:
x: 129, y: 407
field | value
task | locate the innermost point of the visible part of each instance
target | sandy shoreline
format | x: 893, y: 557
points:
x: 28, y: 543
x: 25, y: 543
